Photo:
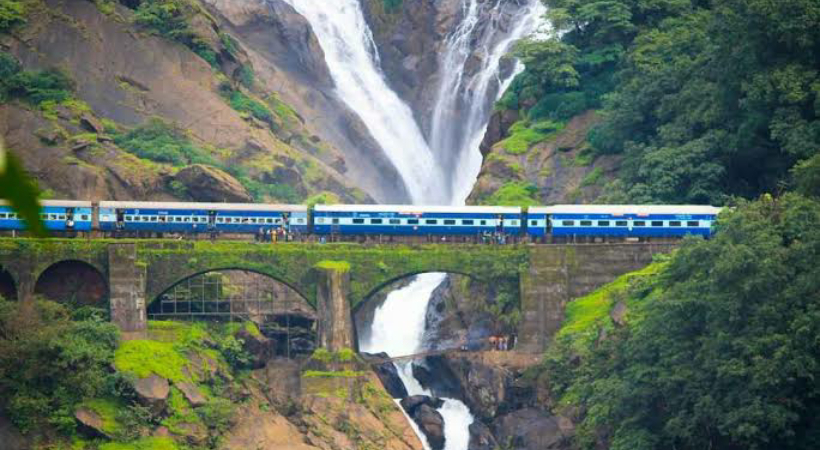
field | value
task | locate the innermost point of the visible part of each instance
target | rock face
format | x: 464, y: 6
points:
x: 192, y: 394
x: 530, y: 428
x: 481, y: 438
x: 152, y: 392
x: 410, y: 404
x: 455, y: 315
x: 258, y: 346
x: 90, y: 423
x: 389, y: 377
x: 485, y: 386
x: 209, y: 184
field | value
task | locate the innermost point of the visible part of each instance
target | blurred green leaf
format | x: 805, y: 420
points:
x: 21, y: 192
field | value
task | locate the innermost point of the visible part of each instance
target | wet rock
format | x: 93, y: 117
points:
x: 485, y: 386
x: 530, y: 428
x: 410, y: 404
x: 389, y: 376
x: 152, y: 392
x: 436, y: 376
x: 192, y: 394
x: 431, y: 424
x: 209, y: 184
x: 480, y: 437
x: 90, y: 423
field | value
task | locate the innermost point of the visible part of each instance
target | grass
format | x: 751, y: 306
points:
x: 514, y: 193
x: 524, y: 135
x: 341, y: 266
x: 166, y: 356
x: 592, y: 178
x: 180, y: 412
x: 148, y: 443
x: 585, y: 315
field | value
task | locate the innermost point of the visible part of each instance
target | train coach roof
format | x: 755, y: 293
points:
x: 626, y: 209
x: 411, y: 209
x: 65, y: 203
x: 206, y: 206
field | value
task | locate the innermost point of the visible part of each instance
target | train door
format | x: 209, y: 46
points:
x: 211, y: 220
x: 120, y: 218
x: 69, y: 218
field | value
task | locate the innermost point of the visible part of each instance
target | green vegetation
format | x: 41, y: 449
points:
x: 143, y: 358
x: 32, y: 87
x: 524, y: 135
x: 391, y: 6
x: 108, y: 410
x: 49, y: 363
x: 158, y: 141
x: 704, y: 99
x: 332, y: 374
x: 149, y: 443
x: 514, y: 193
x: 322, y: 198
x: 720, y: 346
x: 172, y: 19
x: 593, y: 177
x: 341, y: 266
x: 247, y: 105
x: 12, y: 13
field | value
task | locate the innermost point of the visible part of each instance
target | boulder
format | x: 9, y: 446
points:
x: 389, y: 376
x: 91, y: 123
x: 480, y: 437
x: 209, y: 184
x: 431, y: 424
x: 90, y: 423
x: 257, y: 345
x: 192, y: 394
x: 531, y: 428
x: 194, y: 433
x: 618, y: 313
x: 410, y: 404
x: 152, y: 392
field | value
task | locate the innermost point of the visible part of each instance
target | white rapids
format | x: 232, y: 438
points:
x: 461, y: 111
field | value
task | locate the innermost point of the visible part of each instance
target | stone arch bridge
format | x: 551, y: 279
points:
x: 333, y: 278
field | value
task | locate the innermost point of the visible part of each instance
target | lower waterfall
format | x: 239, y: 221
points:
x: 461, y: 112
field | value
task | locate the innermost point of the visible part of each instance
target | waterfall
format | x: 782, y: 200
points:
x: 468, y: 100
x: 352, y: 58
x: 460, y: 115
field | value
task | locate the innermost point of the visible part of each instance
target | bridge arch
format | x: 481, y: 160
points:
x: 395, y: 278
x: 8, y: 285
x: 154, y: 294
x: 73, y: 281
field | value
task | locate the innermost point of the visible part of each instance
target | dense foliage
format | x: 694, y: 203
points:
x: 32, y: 87
x: 704, y: 99
x: 12, y: 13
x: 49, y: 363
x: 172, y: 19
x: 158, y: 141
x: 721, y: 348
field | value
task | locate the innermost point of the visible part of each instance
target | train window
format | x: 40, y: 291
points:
x: 395, y: 221
x: 61, y: 217
x: 603, y: 223
x: 376, y: 221
x: 483, y: 222
x: 431, y: 222
x: 467, y: 222
x: 620, y: 223
x: 2, y: 215
x: 84, y: 217
x: 412, y: 221
x: 219, y: 220
x: 52, y: 217
x: 693, y: 223
x: 358, y: 221
x: 568, y: 223
x: 533, y: 223
x: 153, y: 218
x: 187, y: 219
x: 228, y: 220
x: 335, y: 221
x: 300, y: 220
x: 449, y: 222
x: 657, y: 223
x: 675, y: 223
x: 639, y: 223
x: 129, y: 218
x: 268, y: 220
x: 586, y: 223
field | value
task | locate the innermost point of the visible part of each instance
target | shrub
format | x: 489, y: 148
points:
x: 12, y: 13
x: 514, y: 193
x: 244, y: 104
x: 157, y: 141
x: 35, y: 88
x: 524, y: 135
x: 171, y: 19
x: 246, y: 76
x: 49, y: 363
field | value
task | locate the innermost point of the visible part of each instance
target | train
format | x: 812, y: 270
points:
x: 537, y: 223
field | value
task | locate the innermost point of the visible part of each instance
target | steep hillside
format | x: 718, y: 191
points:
x: 150, y: 87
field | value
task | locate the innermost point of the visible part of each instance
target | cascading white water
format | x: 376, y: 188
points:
x: 467, y: 101
x: 351, y: 55
x: 352, y: 58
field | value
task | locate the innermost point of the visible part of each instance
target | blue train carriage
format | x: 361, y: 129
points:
x: 639, y: 221
x: 415, y: 220
x: 179, y: 217
x: 57, y: 215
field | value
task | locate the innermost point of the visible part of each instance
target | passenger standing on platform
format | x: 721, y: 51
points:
x: 493, y: 343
